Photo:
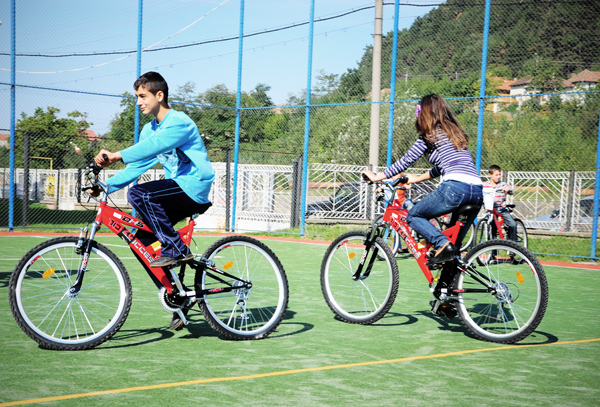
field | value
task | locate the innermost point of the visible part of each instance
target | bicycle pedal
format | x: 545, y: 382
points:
x: 182, y: 316
x: 443, y: 309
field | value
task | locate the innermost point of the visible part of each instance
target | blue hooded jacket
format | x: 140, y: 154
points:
x: 176, y: 143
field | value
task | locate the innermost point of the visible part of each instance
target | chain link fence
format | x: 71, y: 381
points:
x: 540, y: 117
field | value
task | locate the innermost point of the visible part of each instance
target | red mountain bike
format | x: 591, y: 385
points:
x: 501, y: 301
x: 492, y: 226
x: 72, y: 293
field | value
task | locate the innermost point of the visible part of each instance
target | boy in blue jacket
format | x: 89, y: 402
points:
x: 172, y: 139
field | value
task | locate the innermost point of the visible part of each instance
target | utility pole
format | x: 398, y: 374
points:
x: 376, y: 87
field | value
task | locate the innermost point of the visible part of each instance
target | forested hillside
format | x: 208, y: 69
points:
x: 526, y: 38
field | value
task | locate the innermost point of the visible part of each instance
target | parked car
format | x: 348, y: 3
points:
x: 556, y: 220
x: 345, y: 199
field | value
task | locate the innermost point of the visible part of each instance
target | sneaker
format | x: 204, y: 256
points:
x: 164, y: 261
x: 176, y: 322
x: 446, y: 253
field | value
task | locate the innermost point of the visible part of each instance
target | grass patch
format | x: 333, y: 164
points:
x: 552, y: 248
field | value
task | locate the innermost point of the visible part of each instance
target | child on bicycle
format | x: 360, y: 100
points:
x: 171, y: 139
x: 443, y: 141
x: 501, y: 189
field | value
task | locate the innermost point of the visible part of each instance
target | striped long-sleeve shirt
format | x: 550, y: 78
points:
x: 499, y: 194
x: 447, y: 161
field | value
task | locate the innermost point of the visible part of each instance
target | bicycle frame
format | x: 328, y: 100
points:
x: 118, y: 221
x: 496, y: 216
x: 395, y: 216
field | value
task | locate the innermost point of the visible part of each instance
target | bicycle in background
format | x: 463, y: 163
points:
x: 443, y: 222
x: 500, y: 301
x: 73, y: 293
x: 492, y: 226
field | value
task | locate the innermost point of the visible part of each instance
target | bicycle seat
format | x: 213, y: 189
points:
x: 510, y: 205
x: 463, y: 211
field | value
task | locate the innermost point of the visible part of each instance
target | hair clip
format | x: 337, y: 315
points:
x: 418, y: 110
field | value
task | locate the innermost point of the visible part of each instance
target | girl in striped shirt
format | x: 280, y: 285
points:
x: 443, y: 141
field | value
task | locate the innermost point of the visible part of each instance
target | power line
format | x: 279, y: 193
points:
x: 295, y: 25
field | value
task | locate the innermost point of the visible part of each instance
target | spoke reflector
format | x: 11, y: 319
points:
x: 48, y: 273
x: 351, y: 255
x: 228, y: 265
x: 520, y: 278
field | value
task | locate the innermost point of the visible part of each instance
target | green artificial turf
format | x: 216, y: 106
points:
x: 410, y: 357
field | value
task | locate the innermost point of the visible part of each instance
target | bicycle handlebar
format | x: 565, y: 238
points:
x: 92, y: 172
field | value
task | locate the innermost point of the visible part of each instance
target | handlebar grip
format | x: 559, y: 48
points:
x: 95, y: 167
x: 402, y: 180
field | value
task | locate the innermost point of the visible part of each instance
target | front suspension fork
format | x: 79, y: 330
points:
x: 369, y: 242
x: 83, y: 247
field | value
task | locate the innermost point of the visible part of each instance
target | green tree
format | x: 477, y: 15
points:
x: 61, y: 139
x: 545, y: 75
x: 122, y: 127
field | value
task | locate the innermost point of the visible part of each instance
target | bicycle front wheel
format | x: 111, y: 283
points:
x: 47, y: 311
x: 368, y: 298
x: 244, y: 313
x: 515, y: 301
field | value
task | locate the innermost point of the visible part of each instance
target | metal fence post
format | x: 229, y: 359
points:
x: 596, y: 199
x: 228, y: 191
x: 307, y: 118
x: 238, y: 105
x: 13, y: 53
x: 57, y: 191
x: 26, y: 144
x: 296, y: 191
x: 570, y: 195
x: 393, y: 84
x: 484, y: 52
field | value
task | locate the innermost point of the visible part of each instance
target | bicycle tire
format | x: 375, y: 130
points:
x: 245, y: 314
x: 366, y: 300
x: 521, y: 233
x: 482, y: 233
x: 516, y: 305
x: 42, y: 306
x: 392, y: 239
x: 469, y: 238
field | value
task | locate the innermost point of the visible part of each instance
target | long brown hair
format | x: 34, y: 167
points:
x: 435, y: 112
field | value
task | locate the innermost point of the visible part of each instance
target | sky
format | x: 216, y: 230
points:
x: 71, y: 45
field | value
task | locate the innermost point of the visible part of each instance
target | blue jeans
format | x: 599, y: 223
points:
x: 510, y: 223
x: 450, y: 195
x: 161, y: 204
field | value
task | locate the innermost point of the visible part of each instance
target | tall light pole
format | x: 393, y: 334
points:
x: 376, y: 87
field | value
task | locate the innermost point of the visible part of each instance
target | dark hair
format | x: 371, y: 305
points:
x: 494, y: 168
x: 436, y: 113
x: 153, y: 82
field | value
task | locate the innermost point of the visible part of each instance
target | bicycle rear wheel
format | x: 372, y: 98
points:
x: 516, y: 301
x: 244, y: 314
x: 367, y: 299
x: 46, y: 310
x: 521, y: 233
x: 483, y: 233
x: 469, y: 239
